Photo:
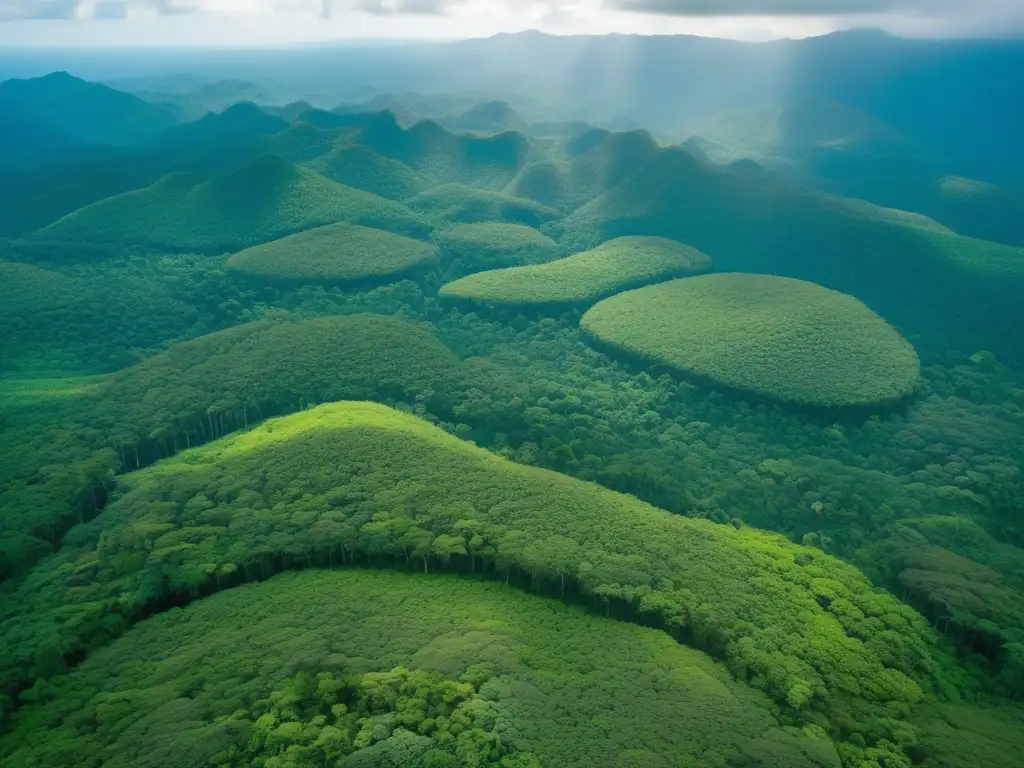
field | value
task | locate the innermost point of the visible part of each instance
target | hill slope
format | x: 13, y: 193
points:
x: 528, y: 672
x: 265, y: 200
x: 847, y: 151
x: 792, y: 621
x: 57, y: 464
x: 905, y: 267
x: 580, y: 279
x: 334, y: 253
x: 90, y: 113
x: 773, y: 336
x: 465, y: 204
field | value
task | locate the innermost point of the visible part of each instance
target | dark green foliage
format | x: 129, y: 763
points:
x: 460, y: 203
x: 546, y: 181
x: 515, y: 672
x: 89, y: 113
x: 362, y: 168
x: 905, y: 267
x: 60, y: 321
x: 199, y: 389
x: 355, y: 481
x: 923, y: 497
x: 241, y: 121
x: 62, y: 446
x: 582, y: 278
x: 440, y: 156
x: 773, y: 336
x: 592, y: 163
x: 957, y: 735
x: 495, y: 245
x: 262, y: 201
x: 334, y: 253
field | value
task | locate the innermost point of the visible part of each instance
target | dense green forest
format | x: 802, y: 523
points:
x: 333, y: 439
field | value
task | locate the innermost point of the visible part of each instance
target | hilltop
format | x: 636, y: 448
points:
x: 334, y: 253
x: 465, y: 204
x: 911, y: 270
x: 487, y: 117
x: 88, y: 113
x: 583, y: 278
x: 419, y: 498
x: 774, y: 336
x: 265, y: 200
x: 585, y: 165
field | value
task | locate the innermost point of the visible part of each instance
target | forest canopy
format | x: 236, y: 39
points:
x: 333, y: 253
x: 405, y: 429
x: 625, y: 262
x: 786, y: 339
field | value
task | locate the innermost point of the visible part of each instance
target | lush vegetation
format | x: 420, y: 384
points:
x: 336, y: 252
x: 582, y: 278
x: 262, y: 201
x: 358, y: 482
x: 780, y: 584
x: 56, y: 466
x: 904, y: 268
x: 360, y: 167
x: 59, y: 320
x: 494, y: 245
x: 485, y: 673
x: 458, y: 202
x: 773, y: 336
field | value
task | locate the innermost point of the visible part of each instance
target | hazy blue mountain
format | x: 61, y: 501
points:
x: 87, y: 112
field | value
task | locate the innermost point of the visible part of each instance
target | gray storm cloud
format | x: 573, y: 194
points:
x: 949, y: 15
x: 788, y: 7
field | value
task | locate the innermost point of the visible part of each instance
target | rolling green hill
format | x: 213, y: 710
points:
x: 440, y: 156
x: 361, y: 167
x: 265, y: 200
x: 482, y: 670
x: 360, y: 482
x: 905, y: 267
x: 584, y: 166
x: 487, y: 117
x: 464, y: 204
x: 334, y: 253
x: 58, y: 455
x: 581, y: 279
x: 782, y: 338
x: 493, y: 245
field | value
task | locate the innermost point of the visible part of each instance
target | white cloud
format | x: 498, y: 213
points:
x: 210, y: 22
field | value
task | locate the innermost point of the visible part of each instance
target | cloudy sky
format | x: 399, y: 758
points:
x: 242, y: 22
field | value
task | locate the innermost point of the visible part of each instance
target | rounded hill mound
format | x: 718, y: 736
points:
x: 465, y: 668
x: 461, y: 203
x: 782, y: 338
x: 262, y: 201
x: 616, y: 265
x: 494, y: 245
x: 334, y: 253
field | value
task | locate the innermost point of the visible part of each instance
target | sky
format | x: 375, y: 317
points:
x: 271, y: 22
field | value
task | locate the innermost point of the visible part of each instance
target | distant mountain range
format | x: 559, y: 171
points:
x: 927, y: 90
